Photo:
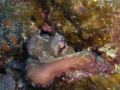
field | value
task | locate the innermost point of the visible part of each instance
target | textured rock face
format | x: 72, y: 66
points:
x: 95, y: 82
x: 10, y: 83
x: 88, y: 23
x: 7, y: 82
x: 91, y: 27
x: 102, y: 83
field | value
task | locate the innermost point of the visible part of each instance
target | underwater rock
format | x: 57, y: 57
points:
x: 2, y: 62
x: 16, y: 27
x: 115, y: 77
x: 84, y: 84
x: 103, y: 83
x: 110, y: 50
x: 7, y: 82
x: 85, y: 25
x: 90, y: 24
x: 19, y: 11
x: 30, y: 29
x: 11, y: 41
x: 37, y: 15
x: 11, y: 37
x: 95, y: 82
x: 16, y: 64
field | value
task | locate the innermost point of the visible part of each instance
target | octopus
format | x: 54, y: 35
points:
x: 48, y: 59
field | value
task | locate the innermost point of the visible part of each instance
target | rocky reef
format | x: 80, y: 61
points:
x: 8, y: 82
x: 60, y: 44
x: 89, y: 23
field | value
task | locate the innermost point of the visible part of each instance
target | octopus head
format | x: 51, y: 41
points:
x: 58, y: 45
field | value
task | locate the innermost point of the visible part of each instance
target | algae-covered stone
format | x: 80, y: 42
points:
x: 104, y: 83
x: 115, y: 78
x: 88, y: 22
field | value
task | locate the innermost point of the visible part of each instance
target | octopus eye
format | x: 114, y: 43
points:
x: 61, y: 38
x: 62, y: 42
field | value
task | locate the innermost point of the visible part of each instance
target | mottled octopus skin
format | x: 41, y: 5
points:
x: 43, y: 74
x: 46, y: 47
x: 43, y: 67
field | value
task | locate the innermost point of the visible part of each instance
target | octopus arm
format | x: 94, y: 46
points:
x: 43, y: 74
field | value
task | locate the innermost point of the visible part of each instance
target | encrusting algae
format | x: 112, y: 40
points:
x: 88, y: 22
